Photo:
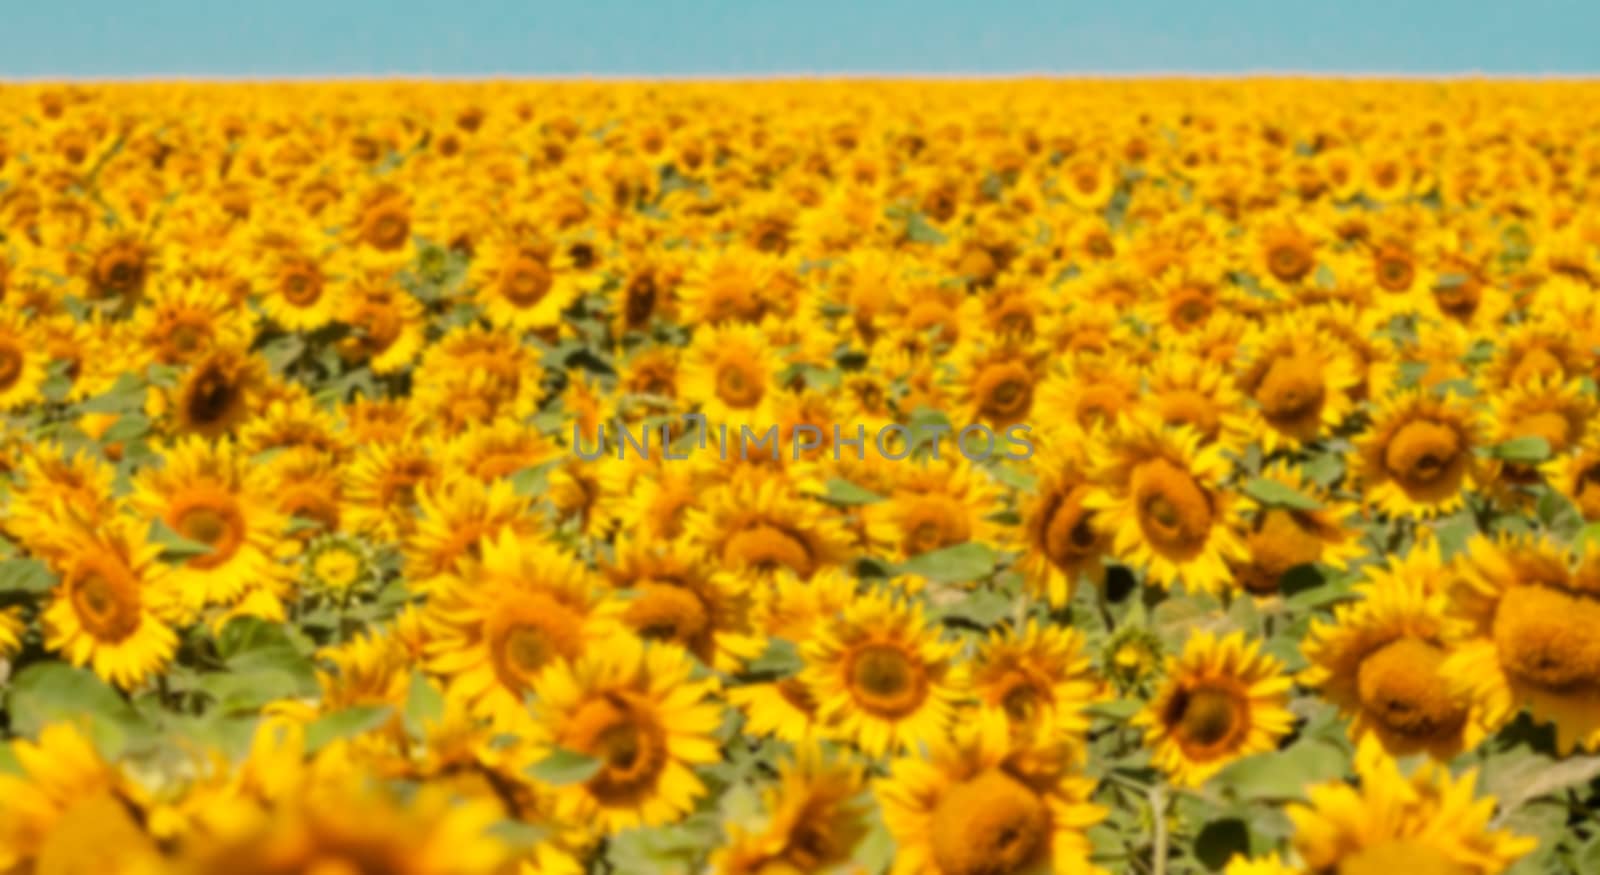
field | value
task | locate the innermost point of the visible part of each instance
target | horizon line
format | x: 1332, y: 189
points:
x: 795, y: 76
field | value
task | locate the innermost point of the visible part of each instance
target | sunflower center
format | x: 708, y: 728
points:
x: 119, y: 270
x: 212, y: 397
x: 738, y: 385
x: 1401, y: 855
x: 631, y: 746
x: 528, y: 634
x: 10, y: 365
x: 1174, y: 511
x: 1068, y: 536
x: 886, y: 681
x: 185, y: 337
x: 1021, y: 699
x: 1545, y: 637
x: 668, y: 613
x: 1004, y: 391
x: 217, y: 524
x: 1189, y: 309
x: 1100, y: 405
x: 640, y: 300
x: 387, y: 227
x: 1281, y: 539
x: 105, y: 596
x: 1400, y: 688
x: 1425, y: 456
x: 1187, y: 407
x: 1395, y: 272
x: 934, y: 522
x: 301, y: 285
x: 767, y: 548
x: 525, y: 281
x: 1289, y: 261
x: 1292, y: 392
x: 1206, y: 719
x: 990, y: 824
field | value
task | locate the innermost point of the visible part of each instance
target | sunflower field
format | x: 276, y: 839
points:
x: 484, y: 478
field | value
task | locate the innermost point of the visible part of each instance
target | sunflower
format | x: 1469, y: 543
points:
x: 216, y: 394
x: 736, y: 284
x: 652, y: 499
x: 790, y: 611
x: 23, y: 362
x: 495, y: 623
x: 675, y: 595
x: 1039, y: 678
x: 116, y: 266
x: 981, y: 803
x: 934, y: 504
x: 882, y: 677
x: 1061, y: 540
x: 113, y: 604
x: 995, y: 384
x: 638, y: 710
x: 63, y: 795
x: 1534, y: 350
x: 1088, y: 181
x: 1577, y: 476
x: 204, y: 492
x: 1091, y: 392
x: 384, y: 482
x: 1163, y: 503
x: 729, y: 370
x: 499, y: 448
x: 1222, y: 699
x: 1527, y: 646
x: 1282, y: 538
x: 1300, y: 384
x: 1428, y: 822
x: 1287, y: 254
x: 53, y: 489
x: 1418, y: 457
x: 381, y: 226
x: 385, y: 322
x: 1182, y: 390
x: 455, y: 518
x: 521, y: 285
x: 181, y: 322
x: 759, y: 524
x: 1555, y: 411
x: 298, y: 285
x: 814, y: 819
x: 1379, y: 661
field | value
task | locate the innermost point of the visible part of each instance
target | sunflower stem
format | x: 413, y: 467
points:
x: 1158, y: 813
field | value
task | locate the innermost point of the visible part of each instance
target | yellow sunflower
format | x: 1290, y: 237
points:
x: 1528, y: 646
x: 1061, y: 540
x: 64, y: 795
x: 204, y: 492
x: 1555, y: 411
x: 759, y: 524
x: 640, y: 712
x: 882, y: 677
x: 979, y: 803
x: 675, y: 594
x: 522, y: 285
x: 1380, y: 661
x: 1577, y: 476
x: 113, y: 602
x: 1300, y: 384
x: 1223, y: 699
x: 1418, y: 457
x: 455, y: 518
x: 298, y: 285
x: 1428, y: 822
x: 495, y: 624
x: 1039, y: 678
x: 934, y: 504
x: 1282, y: 538
x: 730, y: 372
x: 23, y: 362
x: 1164, y: 504
x: 814, y: 819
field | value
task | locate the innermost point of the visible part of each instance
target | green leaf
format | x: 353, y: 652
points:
x: 782, y: 657
x: 1283, y: 775
x: 1523, y: 450
x: 25, y: 575
x: 982, y: 607
x: 1116, y: 709
x: 1220, y: 840
x: 957, y: 564
x: 245, y: 692
x: 563, y: 767
x: 344, y: 724
x: 1271, y: 492
x: 1517, y: 778
x: 175, y: 547
x: 843, y: 492
x: 424, y: 705
x: 127, y: 394
x: 129, y: 426
x: 53, y: 692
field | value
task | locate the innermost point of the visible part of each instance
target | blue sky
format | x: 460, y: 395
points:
x: 263, y: 38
